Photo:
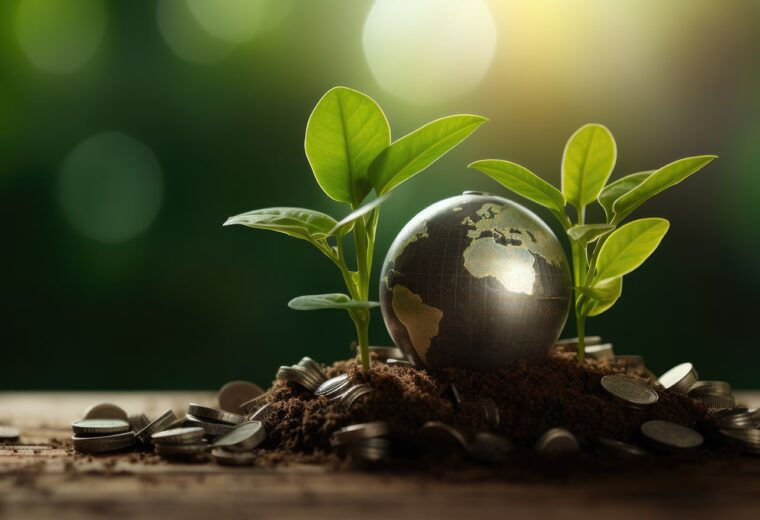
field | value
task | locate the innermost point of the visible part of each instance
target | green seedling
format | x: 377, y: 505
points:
x: 348, y: 145
x: 602, y: 253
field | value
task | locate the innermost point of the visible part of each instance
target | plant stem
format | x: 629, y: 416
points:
x: 362, y: 318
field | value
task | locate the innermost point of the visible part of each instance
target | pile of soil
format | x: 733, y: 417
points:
x: 532, y: 397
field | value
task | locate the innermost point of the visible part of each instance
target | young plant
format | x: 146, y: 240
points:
x: 348, y: 145
x: 602, y: 253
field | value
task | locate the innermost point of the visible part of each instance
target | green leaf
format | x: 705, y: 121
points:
x: 587, y: 233
x: 414, y: 152
x: 313, y: 302
x: 301, y: 223
x: 523, y: 182
x: 617, y: 189
x: 345, y: 225
x: 662, y: 179
x: 587, y: 163
x: 628, y: 247
x: 601, y: 297
x: 345, y: 132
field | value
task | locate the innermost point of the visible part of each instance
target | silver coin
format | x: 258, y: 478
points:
x: 621, y: 449
x: 207, y: 413
x: 440, y: 438
x: 9, y: 433
x: 737, y: 419
x: 490, y: 448
x: 679, y: 378
x: 138, y: 421
x: 355, y: 432
x: 333, y: 386
x: 311, y: 365
x: 399, y: 362
x: 254, y: 404
x: 350, y: 396
x: 161, y: 422
x: 262, y: 414
x: 632, y: 392
x: 104, y: 444
x: 230, y: 458
x: 746, y: 440
x: 602, y: 352
x: 669, y: 435
x: 189, y: 435
x: 105, y: 411
x: 369, y: 450
x: 234, y: 394
x: 710, y: 387
x: 182, y: 452
x: 93, y: 427
x: 298, y: 375
x: 213, y: 429
x: 243, y: 437
x: 556, y: 442
x: 717, y: 401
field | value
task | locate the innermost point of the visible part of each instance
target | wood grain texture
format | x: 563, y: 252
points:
x: 40, y: 478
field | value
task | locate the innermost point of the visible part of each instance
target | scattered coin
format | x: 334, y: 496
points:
x: 299, y: 375
x: 399, y: 362
x: 213, y: 429
x: 99, y: 427
x: 138, y: 421
x: 556, y: 442
x: 232, y: 458
x: 490, y: 448
x: 207, y: 413
x: 105, y: 411
x: 632, y: 392
x: 190, y: 435
x: 243, y: 437
x: 669, y: 435
x: 736, y: 419
x: 234, y: 394
x: 262, y: 414
x: 9, y: 433
x: 679, y: 378
x: 182, y: 452
x: 620, y: 449
x: 161, y: 422
x: 718, y: 401
x: 440, y: 438
x: 105, y: 443
x: 369, y: 450
x: 747, y: 440
x: 602, y: 352
x: 710, y: 387
x: 355, y: 432
x: 334, y: 386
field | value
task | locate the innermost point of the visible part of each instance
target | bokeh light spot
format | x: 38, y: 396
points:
x: 234, y: 21
x: 110, y: 187
x: 184, y: 35
x: 428, y: 51
x: 61, y: 35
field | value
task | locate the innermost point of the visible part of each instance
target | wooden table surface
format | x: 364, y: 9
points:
x: 40, y: 479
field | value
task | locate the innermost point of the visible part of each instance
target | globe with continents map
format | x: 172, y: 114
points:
x: 475, y: 281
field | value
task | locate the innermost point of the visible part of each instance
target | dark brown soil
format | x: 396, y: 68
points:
x: 532, y: 398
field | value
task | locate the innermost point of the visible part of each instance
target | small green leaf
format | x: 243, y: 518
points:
x: 525, y: 183
x: 414, y: 152
x: 662, y: 179
x: 628, y: 247
x: 301, y: 223
x: 617, y: 189
x: 347, y: 222
x: 587, y: 233
x: 587, y: 163
x: 314, y: 302
x: 345, y: 132
x: 607, y: 294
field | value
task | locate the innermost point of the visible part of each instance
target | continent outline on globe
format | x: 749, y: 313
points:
x: 475, y: 281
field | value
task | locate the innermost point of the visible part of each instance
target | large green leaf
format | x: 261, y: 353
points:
x: 587, y: 233
x: 601, y: 297
x: 297, y: 222
x: 617, y: 189
x: 525, y: 183
x: 345, y: 132
x: 313, y: 302
x: 414, y: 152
x: 628, y: 247
x: 662, y: 179
x: 587, y: 163
x: 347, y: 222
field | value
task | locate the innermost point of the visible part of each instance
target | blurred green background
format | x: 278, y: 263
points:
x: 129, y: 131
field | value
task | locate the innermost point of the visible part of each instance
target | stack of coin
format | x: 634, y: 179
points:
x: 181, y: 444
x: 214, y: 421
x: 162, y: 422
x: 557, y: 442
x: 9, y: 434
x: 102, y: 435
x: 679, y: 378
x: 306, y: 373
x: 713, y: 394
x: 367, y: 442
x: 629, y: 391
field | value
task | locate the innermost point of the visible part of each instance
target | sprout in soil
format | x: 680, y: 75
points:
x: 348, y: 145
x: 587, y: 163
